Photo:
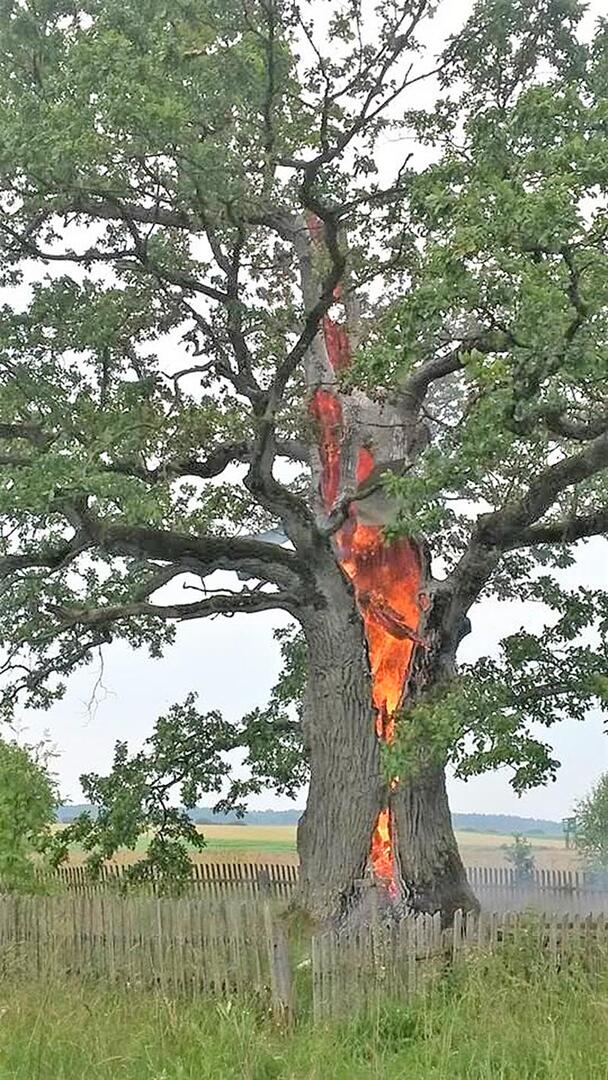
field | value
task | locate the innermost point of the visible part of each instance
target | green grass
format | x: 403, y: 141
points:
x: 505, y: 1018
x: 250, y: 845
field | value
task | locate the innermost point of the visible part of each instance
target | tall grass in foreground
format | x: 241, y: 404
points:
x: 504, y: 1017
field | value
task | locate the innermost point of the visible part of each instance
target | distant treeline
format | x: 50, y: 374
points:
x: 504, y: 824
x: 507, y: 825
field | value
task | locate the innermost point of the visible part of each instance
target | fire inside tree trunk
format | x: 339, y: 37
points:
x: 360, y: 662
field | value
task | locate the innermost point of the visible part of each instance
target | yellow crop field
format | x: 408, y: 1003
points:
x: 478, y: 849
x: 233, y: 843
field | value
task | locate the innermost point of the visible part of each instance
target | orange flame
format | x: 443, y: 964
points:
x: 386, y: 580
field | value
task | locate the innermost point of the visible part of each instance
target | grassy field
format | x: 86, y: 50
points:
x: 504, y: 1018
x: 279, y: 841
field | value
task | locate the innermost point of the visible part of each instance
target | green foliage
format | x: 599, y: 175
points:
x: 513, y: 258
x: 183, y: 758
x: 275, y: 755
x: 28, y: 798
x: 143, y: 803
x: 521, y: 856
x: 481, y: 720
x: 591, y: 825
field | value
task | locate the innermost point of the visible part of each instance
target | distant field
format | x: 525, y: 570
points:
x: 486, y: 849
x: 256, y: 842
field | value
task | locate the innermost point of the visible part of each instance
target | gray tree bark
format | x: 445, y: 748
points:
x: 348, y: 788
x: 346, y: 784
x: 432, y: 874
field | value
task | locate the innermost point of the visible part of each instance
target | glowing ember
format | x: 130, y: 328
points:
x: 386, y: 579
x: 382, y: 855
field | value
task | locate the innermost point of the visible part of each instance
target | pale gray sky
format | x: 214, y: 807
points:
x: 232, y: 663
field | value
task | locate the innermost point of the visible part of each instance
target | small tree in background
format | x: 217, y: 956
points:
x: 28, y: 799
x: 591, y: 829
x: 521, y: 857
x: 133, y: 803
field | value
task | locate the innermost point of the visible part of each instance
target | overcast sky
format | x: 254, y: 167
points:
x: 232, y: 664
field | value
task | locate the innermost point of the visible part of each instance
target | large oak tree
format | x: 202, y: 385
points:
x: 232, y: 319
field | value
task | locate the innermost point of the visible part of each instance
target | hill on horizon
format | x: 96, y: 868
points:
x: 502, y: 824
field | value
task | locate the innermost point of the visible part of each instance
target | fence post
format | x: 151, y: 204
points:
x: 264, y: 881
x: 280, y: 972
x: 457, y: 934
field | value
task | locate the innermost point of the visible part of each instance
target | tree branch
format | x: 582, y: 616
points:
x: 570, y: 428
x: 51, y: 558
x: 226, y: 604
x: 214, y: 465
x: 565, y: 531
x: 415, y: 386
x: 505, y: 524
x: 129, y: 258
x: 201, y: 555
x: 510, y: 527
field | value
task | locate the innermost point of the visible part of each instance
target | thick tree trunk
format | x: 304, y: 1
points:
x: 373, y: 646
x: 348, y: 789
x: 431, y: 870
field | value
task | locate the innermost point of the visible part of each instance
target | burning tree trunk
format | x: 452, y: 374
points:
x: 357, y: 821
x: 371, y: 655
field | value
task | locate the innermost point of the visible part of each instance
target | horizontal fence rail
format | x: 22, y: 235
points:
x: 497, y: 888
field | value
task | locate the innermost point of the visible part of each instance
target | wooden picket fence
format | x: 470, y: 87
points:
x: 497, y: 888
x: 176, y: 946
x: 500, y: 888
x: 191, y: 947
x: 353, y: 969
x: 356, y: 969
x: 217, y: 880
